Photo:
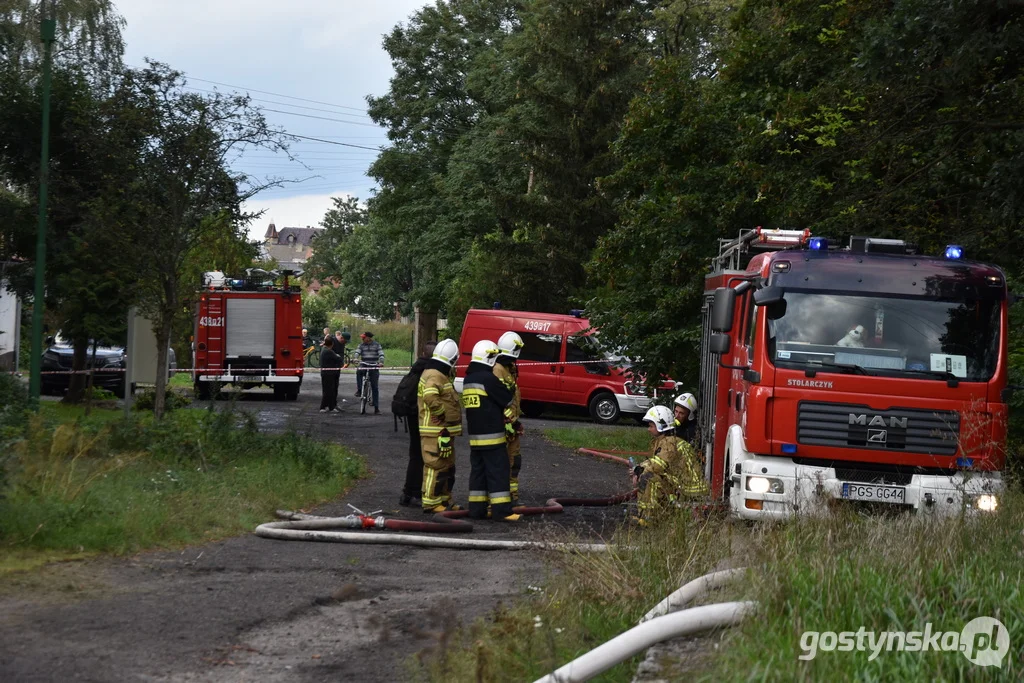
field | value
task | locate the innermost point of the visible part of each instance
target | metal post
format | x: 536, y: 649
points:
x: 48, y: 33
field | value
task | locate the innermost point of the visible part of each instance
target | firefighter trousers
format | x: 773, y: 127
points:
x: 489, y: 482
x: 438, y: 474
x: 515, y: 463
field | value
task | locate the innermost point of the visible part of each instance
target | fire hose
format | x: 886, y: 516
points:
x: 301, y: 527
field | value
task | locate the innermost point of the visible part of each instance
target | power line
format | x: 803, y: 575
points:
x: 285, y: 104
x: 332, y: 142
x: 321, y: 118
x: 288, y: 97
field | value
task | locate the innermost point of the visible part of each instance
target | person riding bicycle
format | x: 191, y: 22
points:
x: 309, y: 348
x: 371, y: 357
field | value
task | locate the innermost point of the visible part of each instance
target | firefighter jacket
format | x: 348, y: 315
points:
x: 437, y: 402
x: 687, y: 431
x: 509, y: 376
x: 485, y: 399
x: 676, y: 461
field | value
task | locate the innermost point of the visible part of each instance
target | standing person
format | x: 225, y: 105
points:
x: 339, y: 344
x: 327, y: 334
x: 330, y: 366
x: 509, y: 345
x: 404, y: 405
x: 371, y: 356
x: 440, y: 421
x: 671, y: 471
x: 486, y: 401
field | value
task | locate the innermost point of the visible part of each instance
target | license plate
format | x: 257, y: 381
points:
x: 875, y: 493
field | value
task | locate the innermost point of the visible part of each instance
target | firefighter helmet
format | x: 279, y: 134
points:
x: 687, y: 401
x: 661, y: 417
x: 446, y: 351
x: 510, y: 344
x: 485, y: 352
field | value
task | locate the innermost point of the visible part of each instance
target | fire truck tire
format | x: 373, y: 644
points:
x: 604, y: 409
x: 532, y: 408
x: 280, y: 392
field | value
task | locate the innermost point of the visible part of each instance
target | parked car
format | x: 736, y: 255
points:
x: 562, y: 362
x: 59, y: 358
x: 110, y: 365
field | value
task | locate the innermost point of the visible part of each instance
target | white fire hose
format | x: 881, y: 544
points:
x: 655, y: 628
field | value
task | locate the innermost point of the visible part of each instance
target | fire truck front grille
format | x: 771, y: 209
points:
x: 898, y: 429
x: 873, y: 477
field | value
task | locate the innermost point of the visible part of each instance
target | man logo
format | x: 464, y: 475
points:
x: 878, y: 421
x: 877, y: 436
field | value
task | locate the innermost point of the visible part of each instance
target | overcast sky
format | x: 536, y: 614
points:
x: 327, y: 51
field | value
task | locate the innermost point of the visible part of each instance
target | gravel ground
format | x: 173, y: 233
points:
x: 251, y: 609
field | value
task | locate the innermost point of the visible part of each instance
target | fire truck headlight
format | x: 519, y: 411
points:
x: 765, y: 485
x: 986, y: 502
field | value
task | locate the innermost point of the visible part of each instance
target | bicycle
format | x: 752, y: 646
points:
x: 311, y: 359
x: 364, y: 394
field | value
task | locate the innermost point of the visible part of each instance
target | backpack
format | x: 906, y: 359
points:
x: 404, y: 402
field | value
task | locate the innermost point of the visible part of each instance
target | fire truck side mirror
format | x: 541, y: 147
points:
x: 723, y: 309
x: 768, y: 296
x: 719, y: 343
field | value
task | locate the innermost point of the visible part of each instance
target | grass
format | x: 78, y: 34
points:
x: 835, y: 573
x: 109, y: 485
x: 397, y: 358
x: 616, y: 438
x: 391, y: 335
x: 181, y: 379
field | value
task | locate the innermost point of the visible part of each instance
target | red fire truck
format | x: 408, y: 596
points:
x: 862, y: 373
x: 248, y: 332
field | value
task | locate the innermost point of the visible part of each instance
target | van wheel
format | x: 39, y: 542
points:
x: 604, y: 409
x: 532, y: 408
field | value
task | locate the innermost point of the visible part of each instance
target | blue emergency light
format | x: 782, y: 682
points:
x: 789, y: 448
x: 954, y: 252
x: 818, y: 244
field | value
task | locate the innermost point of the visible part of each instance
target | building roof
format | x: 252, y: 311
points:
x: 271, y: 232
x: 303, y: 236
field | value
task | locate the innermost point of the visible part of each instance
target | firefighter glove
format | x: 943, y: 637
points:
x: 444, y: 444
x: 510, y: 431
x: 519, y: 427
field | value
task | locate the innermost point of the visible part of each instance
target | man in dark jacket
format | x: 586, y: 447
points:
x: 414, y: 471
x: 371, y: 357
x: 488, y: 407
x: 330, y: 371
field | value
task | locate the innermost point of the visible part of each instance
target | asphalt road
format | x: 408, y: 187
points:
x: 252, y: 609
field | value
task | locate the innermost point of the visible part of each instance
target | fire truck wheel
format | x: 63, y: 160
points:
x: 604, y: 409
x: 280, y: 392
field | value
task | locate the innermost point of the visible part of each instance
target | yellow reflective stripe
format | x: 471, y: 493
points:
x: 478, y: 496
x: 499, y: 498
x: 659, y: 462
x: 486, y: 439
x: 455, y: 430
x: 510, y: 413
x: 430, y: 430
x: 430, y: 390
x: 474, y: 392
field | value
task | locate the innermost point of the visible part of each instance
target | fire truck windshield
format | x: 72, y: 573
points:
x: 912, y: 337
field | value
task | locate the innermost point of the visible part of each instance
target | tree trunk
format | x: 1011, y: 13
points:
x: 163, y: 338
x: 76, y: 383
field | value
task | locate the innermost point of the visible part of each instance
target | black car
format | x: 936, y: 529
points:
x: 109, y: 364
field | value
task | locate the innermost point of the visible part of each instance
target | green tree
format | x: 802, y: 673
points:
x: 184, y: 194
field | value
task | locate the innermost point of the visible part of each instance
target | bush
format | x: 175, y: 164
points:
x: 391, y: 335
x: 14, y: 407
x: 172, y: 400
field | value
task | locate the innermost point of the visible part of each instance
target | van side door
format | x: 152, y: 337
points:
x: 539, y: 361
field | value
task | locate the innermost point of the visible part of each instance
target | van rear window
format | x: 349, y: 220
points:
x: 546, y: 348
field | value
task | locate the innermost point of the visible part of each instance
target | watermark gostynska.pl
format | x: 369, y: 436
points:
x: 983, y: 641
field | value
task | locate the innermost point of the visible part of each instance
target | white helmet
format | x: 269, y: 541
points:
x: 688, y: 401
x: 510, y: 344
x: 661, y: 417
x: 446, y: 351
x: 485, y: 352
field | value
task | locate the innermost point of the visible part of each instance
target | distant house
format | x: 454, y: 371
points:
x: 291, y: 247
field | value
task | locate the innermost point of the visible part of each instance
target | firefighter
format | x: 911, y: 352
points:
x: 486, y: 399
x: 685, y: 409
x: 440, y: 421
x: 672, y: 472
x: 509, y: 345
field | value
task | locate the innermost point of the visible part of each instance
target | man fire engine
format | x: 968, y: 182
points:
x: 248, y: 332
x: 867, y: 373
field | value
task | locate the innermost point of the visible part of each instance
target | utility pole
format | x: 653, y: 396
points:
x: 48, y: 33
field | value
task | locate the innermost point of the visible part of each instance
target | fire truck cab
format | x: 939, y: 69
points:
x: 248, y: 332
x: 865, y: 373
